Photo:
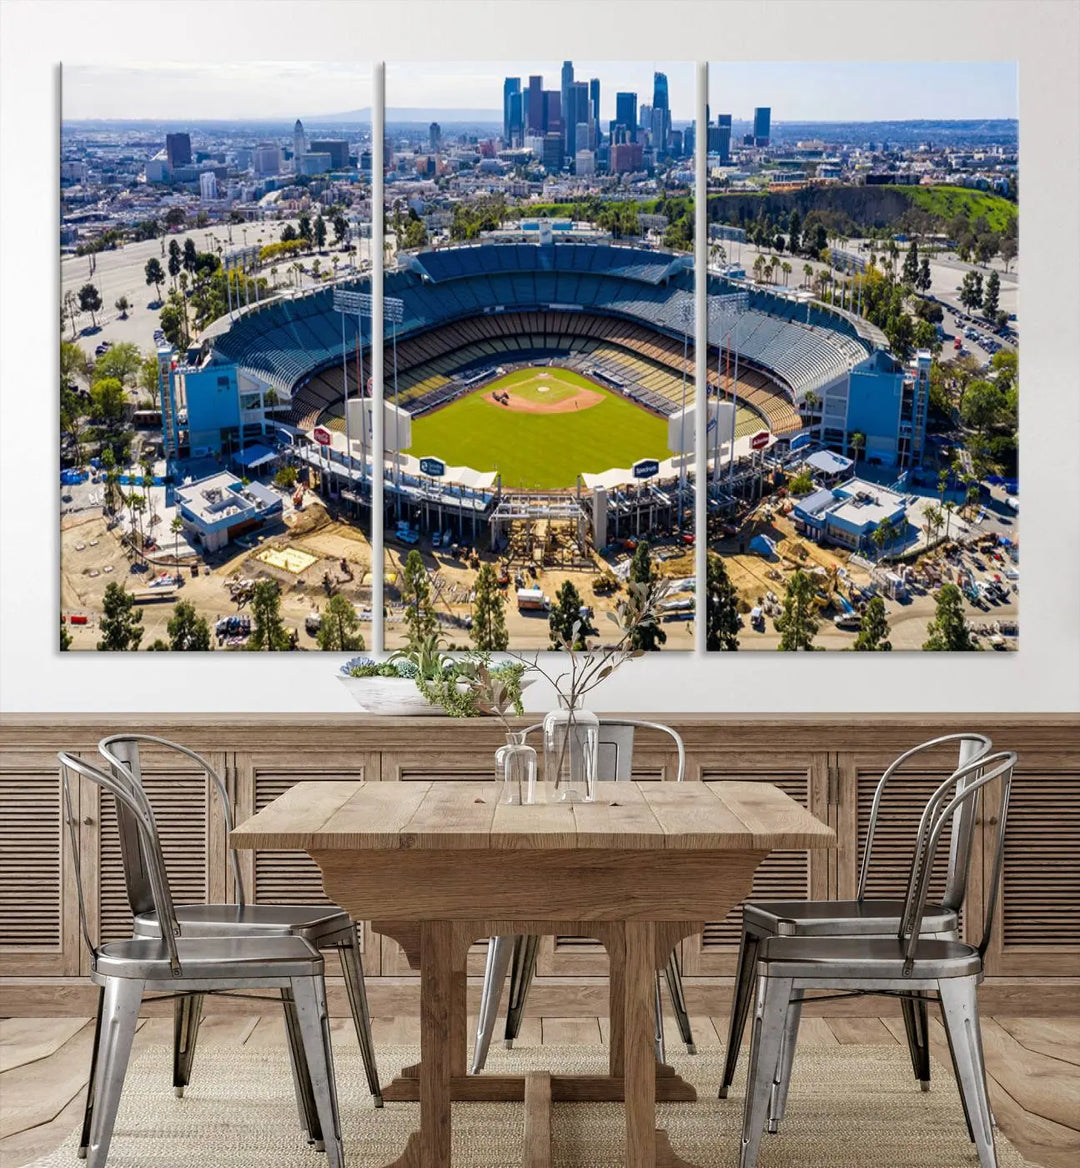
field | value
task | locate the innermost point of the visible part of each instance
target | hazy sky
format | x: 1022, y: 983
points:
x: 864, y: 91
x: 796, y: 91
x: 246, y: 89
x: 478, y: 84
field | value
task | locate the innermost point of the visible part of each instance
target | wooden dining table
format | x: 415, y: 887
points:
x: 439, y: 865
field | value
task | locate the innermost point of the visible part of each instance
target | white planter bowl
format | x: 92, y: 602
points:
x: 395, y: 696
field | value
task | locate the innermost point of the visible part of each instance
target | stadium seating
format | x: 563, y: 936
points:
x: 626, y: 308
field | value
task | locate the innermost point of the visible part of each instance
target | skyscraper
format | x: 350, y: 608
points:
x: 511, y: 86
x: 552, y: 120
x: 298, y: 142
x: 178, y: 149
x: 723, y: 137
x: 565, y: 100
x: 594, y: 108
x: 576, y: 113
x: 762, y: 119
x: 662, y: 126
x: 434, y: 137
x: 534, y: 106
x: 517, y: 118
x: 626, y: 114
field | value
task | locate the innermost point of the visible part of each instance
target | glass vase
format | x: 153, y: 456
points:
x: 571, y: 737
x: 515, y: 770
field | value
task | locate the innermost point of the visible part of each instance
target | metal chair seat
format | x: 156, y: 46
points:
x: 316, y: 923
x: 185, y: 969
x: 518, y: 954
x: 867, y: 957
x: 863, y: 916
x: 840, y: 918
x: 910, y: 966
x: 323, y: 926
x: 212, y: 958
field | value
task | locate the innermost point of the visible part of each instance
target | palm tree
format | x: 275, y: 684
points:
x: 857, y: 443
x: 787, y: 270
x: 176, y: 527
x: 808, y: 272
x: 759, y: 267
x: 949, y: 508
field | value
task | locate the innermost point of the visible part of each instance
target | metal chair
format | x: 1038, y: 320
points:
x: 172, y: 964
x: 518, y: 954
x: 861, y: 917
x: 324, y: 926
x: 901, y: 966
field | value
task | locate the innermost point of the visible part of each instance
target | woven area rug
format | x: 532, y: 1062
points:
x: 849, y: 1107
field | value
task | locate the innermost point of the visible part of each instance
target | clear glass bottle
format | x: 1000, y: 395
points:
x: 515, y: 770
x: 571, y: 736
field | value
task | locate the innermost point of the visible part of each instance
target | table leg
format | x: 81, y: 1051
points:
x: 639, y: 1053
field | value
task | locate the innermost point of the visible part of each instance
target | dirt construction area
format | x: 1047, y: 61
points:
x: 331, y: 555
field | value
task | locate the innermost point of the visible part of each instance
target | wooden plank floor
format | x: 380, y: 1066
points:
x: 1033, y: 1063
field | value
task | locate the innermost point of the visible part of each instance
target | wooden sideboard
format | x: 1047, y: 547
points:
x: 830, y: 763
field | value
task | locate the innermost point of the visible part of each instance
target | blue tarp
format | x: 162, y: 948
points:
x: 763, y: 545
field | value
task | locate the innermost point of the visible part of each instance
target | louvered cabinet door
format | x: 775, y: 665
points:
x: 39, y: 913
x: 858, y: 774
x: 782, y: 875
x: 292, y: 877
x: 1036, y: 929
x: 192, y: 833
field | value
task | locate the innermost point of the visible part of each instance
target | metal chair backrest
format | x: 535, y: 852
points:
x: 615, y: 747
x: 122, y: 751
x: 132, y: 800
x: 963, y: 789
x: 972, y: 747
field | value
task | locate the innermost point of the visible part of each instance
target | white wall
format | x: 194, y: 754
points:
x: 1044, y: 37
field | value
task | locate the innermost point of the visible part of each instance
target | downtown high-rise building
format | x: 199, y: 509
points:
x: 512, y: 126
x: 626, y: 116
x: 594, y: 109
x: 178, y: 150
x: 299, y: 147
x: 662, y: 126
x: 762, y: 125
x: 434, y: 137
x: 565, y: 98
x: 534, y: 106
x: 553, y: 115
x: 721, y: 143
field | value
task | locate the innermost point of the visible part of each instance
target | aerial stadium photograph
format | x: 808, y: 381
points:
x: 215, y: 261
x: 863, y: 346
x: 538, y: 364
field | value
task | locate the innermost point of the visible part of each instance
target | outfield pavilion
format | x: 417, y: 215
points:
x: 620, y: 314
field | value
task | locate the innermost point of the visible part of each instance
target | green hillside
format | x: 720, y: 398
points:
x: 946, y: 202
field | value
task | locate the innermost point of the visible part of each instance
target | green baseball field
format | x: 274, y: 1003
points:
x: 540, y: 427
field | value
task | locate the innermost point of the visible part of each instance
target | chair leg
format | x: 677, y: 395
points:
x: 353, y: 969
x: 918, y: 1037
x: 119, y: 1017
x: 305, y: 1099
x: 658, y: 1013
x: 740, y: 1007
x: 960, y: 1008
x: 309, y: 996
x: 770, y: 1014
x: 782, y: 1079
x: 187, y: 1015
x: 522, y: 968
x: 673, y: 975
x: 88, y: 1109
x: 500, y: 950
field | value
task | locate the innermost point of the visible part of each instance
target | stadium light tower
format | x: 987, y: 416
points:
x: 347, y: 302
x: 724, y: 313
x: 686, y: 319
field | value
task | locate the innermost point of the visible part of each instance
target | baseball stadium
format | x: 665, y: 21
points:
x: 537, y: 382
